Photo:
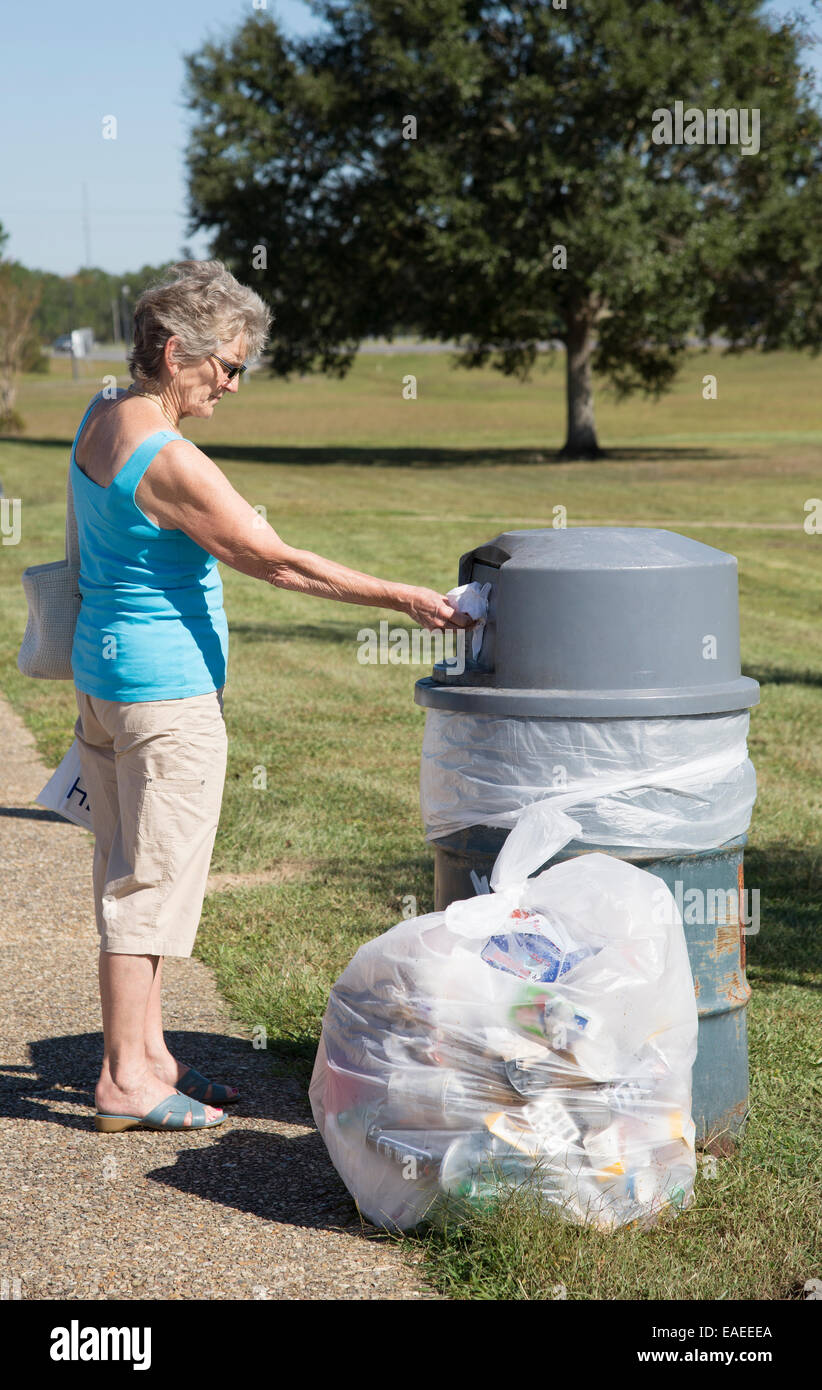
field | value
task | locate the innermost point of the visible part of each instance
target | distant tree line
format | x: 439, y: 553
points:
x: 37, y: 307
x: 91, y: 298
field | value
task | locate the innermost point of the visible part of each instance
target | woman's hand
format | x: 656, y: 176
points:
x: 434, y: 611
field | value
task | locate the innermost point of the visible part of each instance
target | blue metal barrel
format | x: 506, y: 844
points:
x: 708, y: 888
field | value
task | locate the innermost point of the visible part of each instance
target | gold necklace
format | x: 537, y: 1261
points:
x: 149, y: 395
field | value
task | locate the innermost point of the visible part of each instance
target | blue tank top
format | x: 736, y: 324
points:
x: 151, y: 624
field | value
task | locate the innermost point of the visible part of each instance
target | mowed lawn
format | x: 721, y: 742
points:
x: 322, y: 789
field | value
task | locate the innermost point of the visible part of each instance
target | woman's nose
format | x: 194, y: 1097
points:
x: 233, y: 385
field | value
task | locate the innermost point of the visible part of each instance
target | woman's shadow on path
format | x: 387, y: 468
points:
x: 284, y: 1178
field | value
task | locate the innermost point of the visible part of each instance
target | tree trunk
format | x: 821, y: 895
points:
x: 17, y: 306
x: 8, y: 394
x: 581, y: 441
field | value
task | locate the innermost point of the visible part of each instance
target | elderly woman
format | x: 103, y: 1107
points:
x: 154, y: 515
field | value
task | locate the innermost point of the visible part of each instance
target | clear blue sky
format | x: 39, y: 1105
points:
x: 64, y: 65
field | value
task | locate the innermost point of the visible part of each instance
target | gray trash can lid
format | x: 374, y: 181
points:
x: 599, y: 622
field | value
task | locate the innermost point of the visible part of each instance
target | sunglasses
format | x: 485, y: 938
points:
x: 230, y: 370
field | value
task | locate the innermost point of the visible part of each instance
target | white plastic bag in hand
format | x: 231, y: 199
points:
x: 472, y: 599
x: 65, y: 791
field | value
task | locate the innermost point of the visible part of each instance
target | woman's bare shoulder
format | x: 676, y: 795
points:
x: 115, y: 428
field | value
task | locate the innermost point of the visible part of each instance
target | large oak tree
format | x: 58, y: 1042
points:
x: 527, y: 198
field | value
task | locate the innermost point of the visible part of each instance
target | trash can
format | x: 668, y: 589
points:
x: 609, y: 680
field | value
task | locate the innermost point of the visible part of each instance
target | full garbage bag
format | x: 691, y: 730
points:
x: 683, y: 783
x: 541, y: 1035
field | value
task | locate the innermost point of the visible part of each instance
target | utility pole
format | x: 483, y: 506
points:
x: 75, y: 370
x: 126, y: 317
x: 86, y: 226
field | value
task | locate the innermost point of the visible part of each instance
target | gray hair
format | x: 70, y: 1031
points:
x: 203, y: 305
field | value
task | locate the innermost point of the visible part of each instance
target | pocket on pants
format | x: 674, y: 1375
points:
x: 169, y: 814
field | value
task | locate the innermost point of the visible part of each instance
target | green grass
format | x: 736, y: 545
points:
x: 400, y: 489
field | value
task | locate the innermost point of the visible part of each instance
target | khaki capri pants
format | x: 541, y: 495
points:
x: 154, y: 773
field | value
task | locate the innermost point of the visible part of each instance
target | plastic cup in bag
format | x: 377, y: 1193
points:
x: 439, y: 1097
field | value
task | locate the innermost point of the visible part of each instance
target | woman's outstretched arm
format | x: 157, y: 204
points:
x: 188, y: 492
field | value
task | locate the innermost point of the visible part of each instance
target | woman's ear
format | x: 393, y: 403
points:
x: 170, y: 354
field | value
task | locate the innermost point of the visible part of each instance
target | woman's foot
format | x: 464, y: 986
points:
x: 137, y: 1094
x: 168, y: 1069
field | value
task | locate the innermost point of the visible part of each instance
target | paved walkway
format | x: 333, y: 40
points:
x: 252, y: 1209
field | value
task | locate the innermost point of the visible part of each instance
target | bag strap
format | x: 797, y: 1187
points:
x: 72, y: 542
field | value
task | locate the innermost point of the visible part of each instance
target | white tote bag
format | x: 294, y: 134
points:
x: 65, y: 791
x: 54, y: 598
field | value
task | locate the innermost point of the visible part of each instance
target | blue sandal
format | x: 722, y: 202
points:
x: 169, y: 1114
x: 196, y: 1085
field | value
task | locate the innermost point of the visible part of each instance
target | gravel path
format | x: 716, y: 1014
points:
x: 250, y: 1210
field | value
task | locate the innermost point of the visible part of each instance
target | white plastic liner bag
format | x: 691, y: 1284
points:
x: 542, y: 1034
x: 661, y: 784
